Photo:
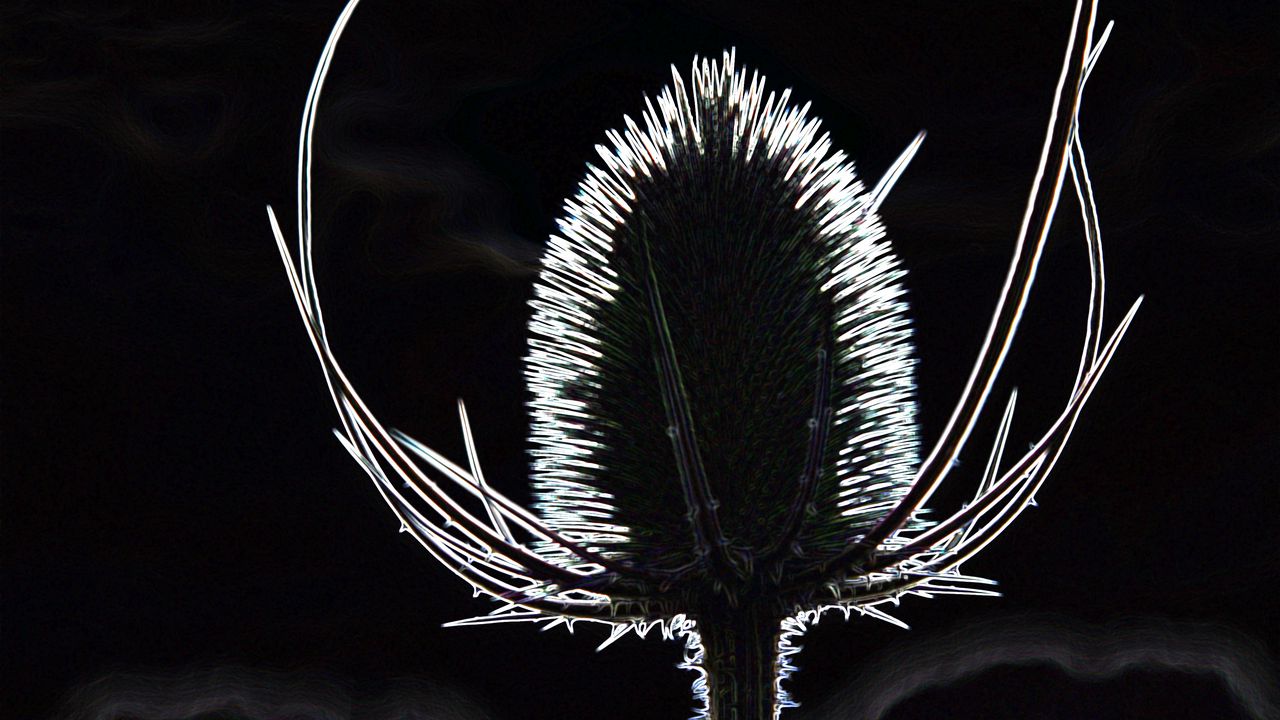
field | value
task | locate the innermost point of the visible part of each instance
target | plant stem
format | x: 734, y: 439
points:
x: 740, y: 657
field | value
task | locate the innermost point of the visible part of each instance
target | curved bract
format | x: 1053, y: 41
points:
x: 721, y: 373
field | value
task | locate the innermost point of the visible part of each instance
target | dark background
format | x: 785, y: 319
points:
x: 180, y: 529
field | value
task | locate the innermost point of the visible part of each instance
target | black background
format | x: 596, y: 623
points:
x: 174, y: 507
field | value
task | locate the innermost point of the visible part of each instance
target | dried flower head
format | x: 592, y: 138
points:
x: 723, y: 412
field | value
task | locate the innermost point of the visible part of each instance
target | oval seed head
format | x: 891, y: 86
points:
x: 720, y: 341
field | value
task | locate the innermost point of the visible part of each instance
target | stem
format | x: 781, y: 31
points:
x: 740, y: 657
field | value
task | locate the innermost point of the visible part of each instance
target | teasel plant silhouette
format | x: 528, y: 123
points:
x: 723, y: 420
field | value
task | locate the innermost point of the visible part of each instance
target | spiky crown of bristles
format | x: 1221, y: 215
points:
x: 766, y: 250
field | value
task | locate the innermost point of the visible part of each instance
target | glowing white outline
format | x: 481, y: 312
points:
x: 561, y: 580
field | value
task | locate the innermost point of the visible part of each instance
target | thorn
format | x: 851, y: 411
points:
x: 615, y: 634
x: 882, y: 188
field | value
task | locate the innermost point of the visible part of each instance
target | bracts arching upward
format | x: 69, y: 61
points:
x: 723, y: 401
